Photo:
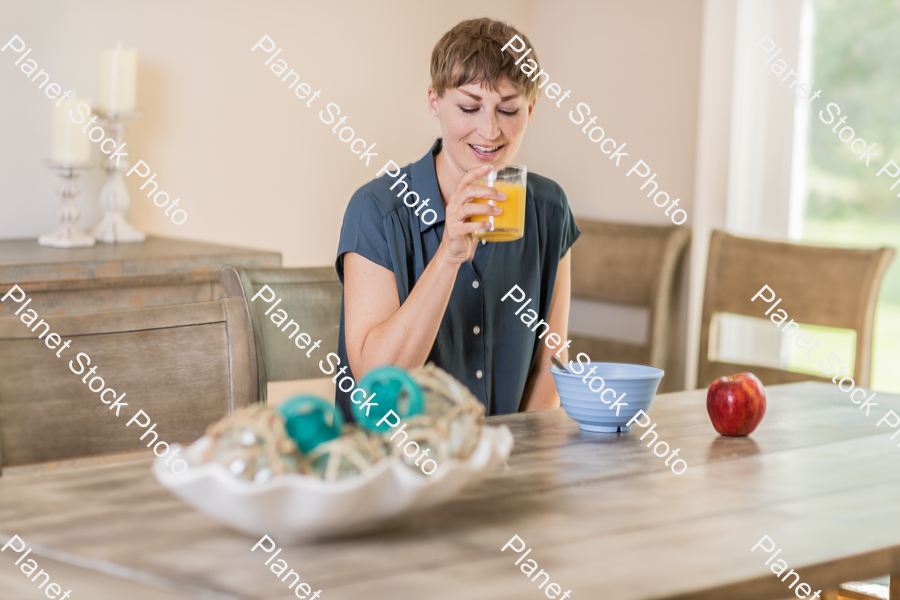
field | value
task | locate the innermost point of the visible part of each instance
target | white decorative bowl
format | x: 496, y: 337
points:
x: 294, y: 507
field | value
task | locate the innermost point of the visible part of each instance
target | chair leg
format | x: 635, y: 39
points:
x: 894, y: 590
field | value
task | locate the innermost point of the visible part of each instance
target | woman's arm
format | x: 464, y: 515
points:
x: 540, y: 391
x: 378, y: 330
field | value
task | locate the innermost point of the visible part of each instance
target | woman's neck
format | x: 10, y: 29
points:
x: 448, y: 175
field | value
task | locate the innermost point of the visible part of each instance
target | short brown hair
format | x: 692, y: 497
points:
x: 471, y: 53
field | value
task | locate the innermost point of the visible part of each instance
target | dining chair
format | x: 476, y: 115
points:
x: 311, y: 299
x: 632, y: 265
x: 827, y: 286
x: 184, y: 365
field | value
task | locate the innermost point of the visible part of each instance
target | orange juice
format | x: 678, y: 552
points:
x: 508, y: 225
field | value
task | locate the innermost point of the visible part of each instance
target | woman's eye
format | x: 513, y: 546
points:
x: 508, y: 113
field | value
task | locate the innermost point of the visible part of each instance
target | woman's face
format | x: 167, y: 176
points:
x: 480, y: 126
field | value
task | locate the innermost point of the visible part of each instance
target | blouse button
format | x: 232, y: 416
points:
x: 479, y: 374
x: 475, y: 284
x: 476, y: 330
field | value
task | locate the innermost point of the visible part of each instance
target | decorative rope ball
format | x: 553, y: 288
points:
x: 457, y: 411
x: 424, y: 435
x: 450, y: 426
x: 253, y: 445
x: 345, y: 456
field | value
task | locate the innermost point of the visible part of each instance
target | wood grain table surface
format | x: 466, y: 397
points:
x: 603, y: 515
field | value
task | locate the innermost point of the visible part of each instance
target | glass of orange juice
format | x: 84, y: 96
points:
x: 510, y: 224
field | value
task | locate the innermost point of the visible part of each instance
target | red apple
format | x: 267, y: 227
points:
x: 736, y: 404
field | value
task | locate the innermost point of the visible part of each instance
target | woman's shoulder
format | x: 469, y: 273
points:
x: 546, y: 191
x: 377, y: 195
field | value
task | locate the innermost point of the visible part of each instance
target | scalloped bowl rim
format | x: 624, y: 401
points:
x: 493, y: 439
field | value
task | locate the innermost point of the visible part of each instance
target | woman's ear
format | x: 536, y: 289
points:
x: 433, y: 107
x: 531, y: 106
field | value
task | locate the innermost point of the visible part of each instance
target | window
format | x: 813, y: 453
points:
x: 855, y: 60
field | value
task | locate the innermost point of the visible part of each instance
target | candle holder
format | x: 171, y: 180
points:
x: 114, y: 196
x: 67, y: 235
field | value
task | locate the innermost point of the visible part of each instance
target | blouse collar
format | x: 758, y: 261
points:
x: 425, y: 182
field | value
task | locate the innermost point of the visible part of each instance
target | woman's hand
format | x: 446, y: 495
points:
x: 457, y: 241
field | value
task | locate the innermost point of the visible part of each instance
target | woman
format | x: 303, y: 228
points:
x: 416, y: 292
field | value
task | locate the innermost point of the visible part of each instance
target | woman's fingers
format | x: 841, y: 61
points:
x: 471, y: 175
x: 470, y: 228
x: 466, y: 180
x: 470, y: 193
x: 481, y: 191
x: 460, y: 207
x: 467, y: 210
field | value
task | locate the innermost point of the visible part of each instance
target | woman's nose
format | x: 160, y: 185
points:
x: 488, y: 127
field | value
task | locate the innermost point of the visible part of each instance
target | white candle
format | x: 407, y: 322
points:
x: 67, y: 142
x: 118, y: 79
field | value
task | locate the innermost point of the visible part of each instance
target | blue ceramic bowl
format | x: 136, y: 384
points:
x: 591, y: 409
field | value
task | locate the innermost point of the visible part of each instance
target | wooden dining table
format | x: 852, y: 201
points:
x: 603, y: 516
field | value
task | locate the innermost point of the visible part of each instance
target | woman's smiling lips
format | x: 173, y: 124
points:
x: 486, y: 152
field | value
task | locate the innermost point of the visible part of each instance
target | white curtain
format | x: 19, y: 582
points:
x: 748, y: 149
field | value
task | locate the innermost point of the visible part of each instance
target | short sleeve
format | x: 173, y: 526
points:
x: 363, y: 232
x: 570, y: 231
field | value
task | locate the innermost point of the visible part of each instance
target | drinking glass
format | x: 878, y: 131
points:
x: 510, y: 224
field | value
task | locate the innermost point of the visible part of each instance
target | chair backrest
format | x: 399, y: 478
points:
x: 185, y: 366
x: 832, y: 287
x: 632, y: 265
x: 310, y: 297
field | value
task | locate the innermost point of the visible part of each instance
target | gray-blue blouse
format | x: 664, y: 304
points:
x: 481, y: 341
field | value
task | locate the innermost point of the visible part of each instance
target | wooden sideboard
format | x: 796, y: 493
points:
x: 158, y: 272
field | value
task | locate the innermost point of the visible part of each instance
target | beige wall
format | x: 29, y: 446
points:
x: 637, y: 65
x: 251, y: 164
x: 254, y: 167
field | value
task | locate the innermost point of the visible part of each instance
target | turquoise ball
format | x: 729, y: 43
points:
x: 394, y: 390
x: 310, y: 421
